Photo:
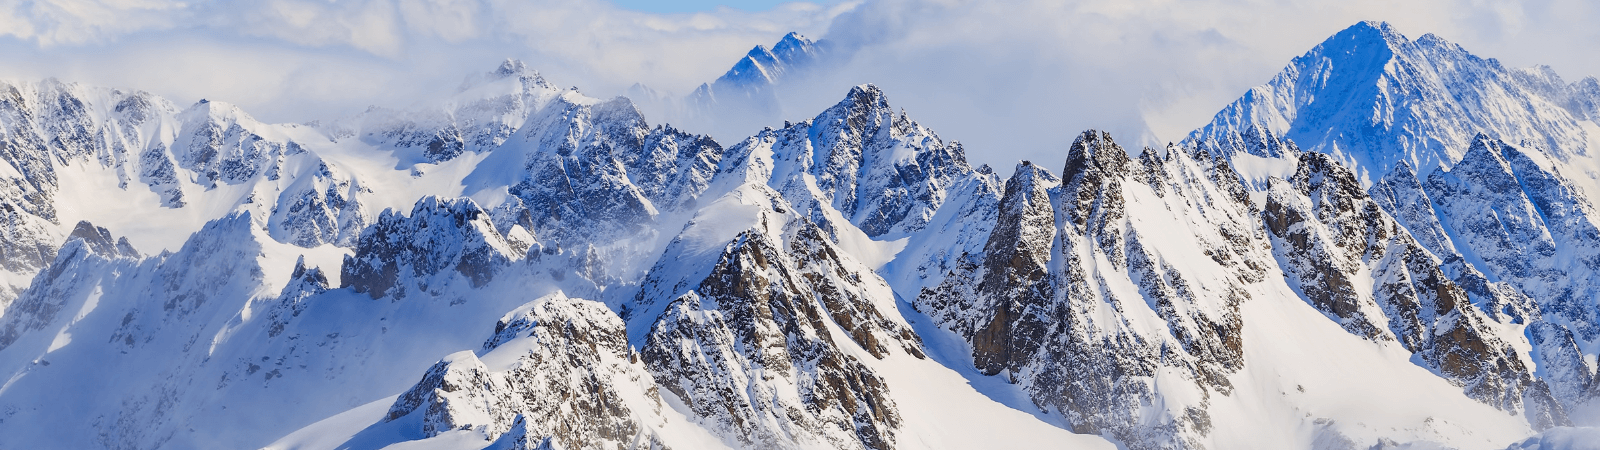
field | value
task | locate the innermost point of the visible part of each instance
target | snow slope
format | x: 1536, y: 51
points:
x: 522, y: 266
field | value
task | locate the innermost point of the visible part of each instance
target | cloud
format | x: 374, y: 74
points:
x: 1017, y: 79
x: 296, y: 60
x: 68, y: 22
x: 1013, y: 79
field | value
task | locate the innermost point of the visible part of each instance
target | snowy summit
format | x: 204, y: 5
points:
x: 1390, y: 244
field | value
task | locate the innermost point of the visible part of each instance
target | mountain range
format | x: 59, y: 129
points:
x: 1390, y: 244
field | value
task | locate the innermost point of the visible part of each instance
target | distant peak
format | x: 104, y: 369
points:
x: 791, y: 40
x: 510, y: 67
x: 1373, y: 24
x: 764, y: 65
x: 759, y: 53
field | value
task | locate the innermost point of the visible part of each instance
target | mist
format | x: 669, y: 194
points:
x: 1011, y: 80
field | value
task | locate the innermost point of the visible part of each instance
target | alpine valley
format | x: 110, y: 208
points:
x: 1391, y: 244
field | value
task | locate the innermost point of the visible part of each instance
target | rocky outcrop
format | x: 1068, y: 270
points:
x: 1014, y: 282
x: 304, y: 283
x: 752, y: 319
x: 760, y: 323
x: 1081, y: 301
x: 1527, y: 226
x: 597, y: 173
x: 57, y: 287
x: 441, y: 239
x: 558, y: 373
x: 322, y: 207
x: 881, y: 171
x: 1332, y: 237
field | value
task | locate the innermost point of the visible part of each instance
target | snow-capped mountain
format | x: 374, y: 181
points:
x: 1486, y: 168
x: 523, y: 266
x: 749, y: 96
x: 750, y: 81
x: 1374, y: 98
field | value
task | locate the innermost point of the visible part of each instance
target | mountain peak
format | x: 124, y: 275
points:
x: 868, y: 93
x: 764, y: 66
x: 793, y: 48
x: 1368, y: 38
x: 217, y: 111
x: 1371, y: 97
x: 1485, y: 158
x: 1375, y: 29
x: 865, y: 99
x: 511, y: 66
x: 1028, y: 174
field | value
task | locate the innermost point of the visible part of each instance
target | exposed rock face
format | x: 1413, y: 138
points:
x: 956, y: 235
x: 752, y: 319
x: 1113, y: 296
x: 324, y: 208
x: 1062, y: 259
x: 88, y: 248
x: 487, y: 110
x: 755, y: 319
x: 26, y: 240
x: 218, y: 145
x: 1404, y: 197
x: 304, y: 283
x: 596, y: 172
x: 1015, y: 279
x: 1527, y: 226
x: 441, y: 238
x: 562, y: 376
x: 1374, y: 98
x: 99, y: 240
x: 879, y: 169
x: 148, y: 143
x: 1332, y: 238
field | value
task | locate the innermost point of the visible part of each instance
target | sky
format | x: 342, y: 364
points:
x: 1011, y: 79
x: 689, y: 6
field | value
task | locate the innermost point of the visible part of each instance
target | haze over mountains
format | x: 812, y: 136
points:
x: 1391, y: 244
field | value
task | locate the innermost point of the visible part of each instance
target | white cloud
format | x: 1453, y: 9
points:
x: 1013, y: 79
x: 295, y: 60
x: 1017, y: 79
